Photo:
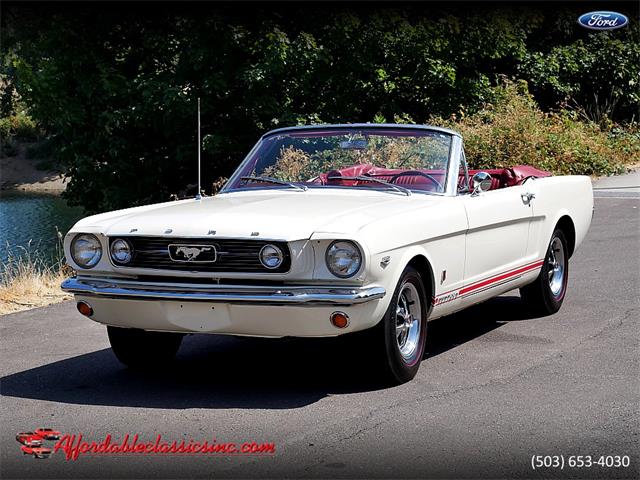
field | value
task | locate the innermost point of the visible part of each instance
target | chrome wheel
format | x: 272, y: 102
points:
x: 408, y: 321
x: 544, y: 295
x: 556, y: 262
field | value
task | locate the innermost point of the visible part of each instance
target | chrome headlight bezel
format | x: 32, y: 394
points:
x: 356, y: 258
x: 277, y: 253
x: 115, y: 246
x: 90, y: 240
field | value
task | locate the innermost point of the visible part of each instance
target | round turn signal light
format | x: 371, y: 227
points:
x: 339, y: 319
x: 85, y: 309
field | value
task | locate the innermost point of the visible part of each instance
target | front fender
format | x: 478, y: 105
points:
x: 387, y: 268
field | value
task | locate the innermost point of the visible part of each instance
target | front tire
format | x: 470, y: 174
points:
x: 544, y: 296
x: 143, y: 350
x: 397, y: 343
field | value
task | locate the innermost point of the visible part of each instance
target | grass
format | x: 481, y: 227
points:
x: 28, y: 280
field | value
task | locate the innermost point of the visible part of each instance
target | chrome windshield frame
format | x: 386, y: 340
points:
x: 453, y: 163
x: 453, y: 167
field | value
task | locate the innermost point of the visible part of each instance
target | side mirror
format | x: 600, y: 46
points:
x: 481, y: 182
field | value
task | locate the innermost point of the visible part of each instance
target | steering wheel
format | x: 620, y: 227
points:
x: 419, y: 174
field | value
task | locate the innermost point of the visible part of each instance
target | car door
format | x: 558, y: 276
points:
x: 496, y: 241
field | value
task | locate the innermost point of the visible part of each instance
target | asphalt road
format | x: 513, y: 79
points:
x: 496, y: 387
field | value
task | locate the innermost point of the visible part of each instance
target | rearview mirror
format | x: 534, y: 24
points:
x: 481, y: 182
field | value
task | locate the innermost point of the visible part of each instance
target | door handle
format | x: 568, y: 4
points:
x: 527, y: 197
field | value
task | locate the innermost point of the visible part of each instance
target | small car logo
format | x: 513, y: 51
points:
x: 37, y: 452
x: 603, y: 20
x: 48, y: 433
x: 193, y: 253
x: 29, y: 439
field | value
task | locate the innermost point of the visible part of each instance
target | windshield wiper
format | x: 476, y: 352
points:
x: 364, y: 178
x: 300, y: 188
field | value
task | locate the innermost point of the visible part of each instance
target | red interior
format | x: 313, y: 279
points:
x: 508, y: 177
x: 500, y: 178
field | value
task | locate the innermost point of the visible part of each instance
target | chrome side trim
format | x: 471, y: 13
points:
x: 269, y: 295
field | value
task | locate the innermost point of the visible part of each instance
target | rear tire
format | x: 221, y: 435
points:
x: 544, y: 296
x: 143, y: 350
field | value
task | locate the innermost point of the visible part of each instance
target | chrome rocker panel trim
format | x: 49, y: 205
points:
x: 270, y: 295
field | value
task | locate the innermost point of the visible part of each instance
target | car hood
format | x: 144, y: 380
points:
x: 282, y: 215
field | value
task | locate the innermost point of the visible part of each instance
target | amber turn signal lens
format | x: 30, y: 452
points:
x: 85, y: 309
x: 339, y: 319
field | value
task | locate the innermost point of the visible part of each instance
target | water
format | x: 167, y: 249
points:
x: 32, y: 217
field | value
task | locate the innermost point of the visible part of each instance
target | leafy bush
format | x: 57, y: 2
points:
x: 19, y: 125
x: 599, y: 74
x: 513, y: 130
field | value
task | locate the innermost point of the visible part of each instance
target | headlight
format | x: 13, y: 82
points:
x: 121, y: 251
x: 271, y: 256
x: 343, y: 258
x: 86, y: 250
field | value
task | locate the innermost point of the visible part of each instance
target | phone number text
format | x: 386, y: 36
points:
x: 579, y: 461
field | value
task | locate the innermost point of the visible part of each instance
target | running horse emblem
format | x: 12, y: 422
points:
x: 191, y: 253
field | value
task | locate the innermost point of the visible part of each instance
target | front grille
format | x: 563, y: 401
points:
x: 231, y: 255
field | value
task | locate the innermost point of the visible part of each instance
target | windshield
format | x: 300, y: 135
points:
x: 395, y: 160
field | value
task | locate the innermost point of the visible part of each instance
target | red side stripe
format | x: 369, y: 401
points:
x: 489, y: 281
x: 532, y: 264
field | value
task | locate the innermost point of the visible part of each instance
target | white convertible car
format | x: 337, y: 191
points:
x: 328, y: 230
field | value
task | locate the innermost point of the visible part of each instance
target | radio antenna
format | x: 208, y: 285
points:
x: 199, y: 194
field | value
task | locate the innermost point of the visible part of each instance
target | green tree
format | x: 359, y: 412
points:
x: 116, y: 88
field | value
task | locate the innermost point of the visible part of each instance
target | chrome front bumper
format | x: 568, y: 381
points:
x: 270, y: 295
